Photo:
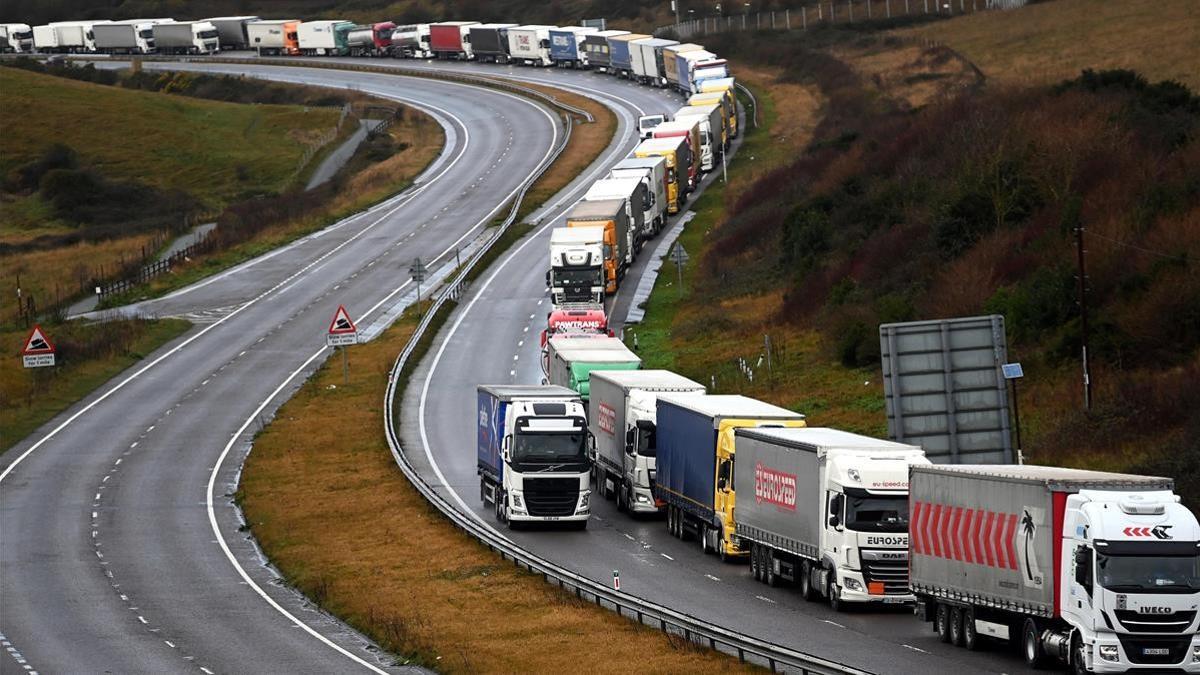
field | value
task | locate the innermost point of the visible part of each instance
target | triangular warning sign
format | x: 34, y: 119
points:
x: 341, y: 324
x: 37, y: 343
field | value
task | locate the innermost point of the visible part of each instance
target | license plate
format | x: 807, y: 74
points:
x: 893, y: 601
x: 1155, y: 651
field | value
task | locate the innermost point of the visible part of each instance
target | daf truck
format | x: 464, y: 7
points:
x: 695, y: 463
x: 577, y: 265
x: 829, y: 512
x: 371, y: 39
x: 652, y: 171
x: 570, y: 361
x: 609, y: 214
x: 620, y: 55
x: 489, y: 42
x: 530, y: 45
x: 677, y: 153
x: 274, y: 37
x: 648, y: 60
x: 1100, y: 571
x: 566, y: 46
x: 712, y: 133
x: 124, y: 37
x: 533, y: 454
x: 451, y: 40
x: 596, y: 47
x: 231, y: 31
x: 670, y: 60
x: 186, y: 37
x: 637, y: 199
x: 411, y: 41
x: 622, y: 417
x: 18, y: 37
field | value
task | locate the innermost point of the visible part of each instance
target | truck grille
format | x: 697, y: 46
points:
x: 1155, y: 650
x: 893, y: 574
x: 1135, y: 622
x: 551, y: 496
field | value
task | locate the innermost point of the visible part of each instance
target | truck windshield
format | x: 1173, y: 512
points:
x: 207, y: 34
x: 1148, y: 574
x: 579, y: 276
x: 145, y: 34
x: 647, y: 443
x: 872, y: 513
x: 539, y: 451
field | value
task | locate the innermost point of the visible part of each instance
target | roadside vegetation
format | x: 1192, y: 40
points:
x: 914, y: 202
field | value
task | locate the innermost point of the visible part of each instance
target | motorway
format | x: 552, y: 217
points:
x: 122, y: 550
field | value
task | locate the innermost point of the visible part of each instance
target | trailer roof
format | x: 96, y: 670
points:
x: 454, y: 23
x: 494, y: 25
x: 609, y: 33
x: 591, y: 343
x: 508, y: 392
x: 272, y: 22
x: 1055, y: 477
x: 652, y: 144
x: 582, y: 354
x: 231, y: 18
x: 658, y: 42
x: 648, y: 379
x: 730, y: 405
x: 577, y: 235
x: 685, y: 124
x: 697, y: 110
x: 813, y: 438
x: 629, y: 37
x: 597, y: 208
x: 640, y: 162
x: 627, y: 185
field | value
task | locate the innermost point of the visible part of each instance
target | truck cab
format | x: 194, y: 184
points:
x: 534, y: 454
x: 1131, y: 582
x: 577, y: 265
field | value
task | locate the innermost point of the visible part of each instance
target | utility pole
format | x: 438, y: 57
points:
x: 1083, y: 316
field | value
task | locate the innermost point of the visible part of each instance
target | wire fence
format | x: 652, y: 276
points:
x: 829, y: 13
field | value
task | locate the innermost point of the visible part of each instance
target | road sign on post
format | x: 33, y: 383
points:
x: 1013, y: 372
x: 680, y: 256
x: 418, y: 273
x: 38, y: 351
x: 342, y: 330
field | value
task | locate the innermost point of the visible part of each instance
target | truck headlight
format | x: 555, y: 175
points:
x: 643, y: 499
x: 1109, y: 653
x: 1195, y: 653
x: 516, y: 500
x: 584, y: 498
x: 853, y: 585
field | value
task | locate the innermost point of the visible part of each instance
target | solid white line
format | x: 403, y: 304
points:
x: 833, y: 623
x: 915, y: 649
x: 712, y: 577
x: 765, y: 599
x: 666, y: 556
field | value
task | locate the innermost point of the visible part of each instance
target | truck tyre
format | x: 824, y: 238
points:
x: 483, y: 492
x: 623, y: 498
x: 835, y: 596
x: 769, y: 573
x: 702, y: 535
x: 671, y: 521
x: 1031, y: 644
x: 806, y: 585
x: 1078, y: 664
x: 956, y: 626
x: 941, y: 622
x: 722, y: 548
x: 500, y: 514
x: 970, y: 636
x: 755, y: 571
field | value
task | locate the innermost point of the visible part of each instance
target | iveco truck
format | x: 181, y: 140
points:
x: 622, y: 416
x: 826, y: 509
x: 534, y: 454
x: 695, y: 463
x: 1100, y: 571
x: 577, y: 273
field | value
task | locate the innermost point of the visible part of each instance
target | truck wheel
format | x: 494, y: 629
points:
x: 702, y: 535
x: 806, y: 585
x: 500, y: 514
x: 671, y: 521
x: 835, y: 596
x: 969, y: 633
x: 1078, y: 663
x: 956, y: 626
x: 1031, y: 644
x: 722, y: 548
x: 483, y: 492
x: 941, y: 623
x: 623, y: 498
x: 755, y: 571
x: 769, y: 572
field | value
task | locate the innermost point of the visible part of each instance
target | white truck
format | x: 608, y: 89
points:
x: 1098, y: 570
x: 696, y: 68
x: 646, y: 124
x: 652, y: 171
x: 274, y: 37
x: 16, y: 38
x: 125, y: 37
x: 647, y: 60
x: 186, y: 37
x: 826, y: 509
x: 621, y: 416
x: 530, y: 45
x: 327, y: 37
x: 411, y: 41
x: 570, y: 360
x: 65, y: 37
x: 534, y: 454
x: 576, y: 273
x: 712, y: 135
x: 636, y: 197
x: 231, y: 31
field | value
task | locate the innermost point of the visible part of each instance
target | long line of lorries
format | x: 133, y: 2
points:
x: 655, y: 61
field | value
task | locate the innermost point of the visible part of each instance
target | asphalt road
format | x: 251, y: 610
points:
x: 121, y: 549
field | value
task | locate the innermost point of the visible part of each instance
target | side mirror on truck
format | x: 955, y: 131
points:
x: 1083, y: 567
x: 506, y: 448
x: 630, y: 441
x: 547, y: 278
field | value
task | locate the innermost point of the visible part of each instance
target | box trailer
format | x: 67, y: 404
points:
x: 533, y: 454
x: 124, y: 37
x: 570, y: 361
x: 1099, y: 570
x: 451, y: 40
x: 186, y: 37
x: 725, y: 98
x: 677, y: 152
x: 611, y: 215
x: 620, y: 56
x: 636, y: 197
x: 695, y: 462
x: 325, y: 37
x: 829, y: 512
x: 647, y: 60
x: 596, y: 48
x: 652, y: 171
x: 670, y: 60
x: 712, y: 132
x: 622, y: 417
x: 274, y: 37
x: 489, y: 41
x: 231, y: 31
x: 530, y: 45
x: 566, y: 46
x: 689, y: 130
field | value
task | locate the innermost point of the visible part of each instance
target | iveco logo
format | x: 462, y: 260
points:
x: 1155, y: 610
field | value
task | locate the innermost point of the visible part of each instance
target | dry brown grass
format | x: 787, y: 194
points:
x: 910, y: 76
x: 1053, y: 41
x: 332, y: 510
x: 55, y: 273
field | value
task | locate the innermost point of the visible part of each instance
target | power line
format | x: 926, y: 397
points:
x: 1167, y: 256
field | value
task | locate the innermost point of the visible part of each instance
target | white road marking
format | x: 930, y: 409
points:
x: 915, y: 649
x: 834, y: 623
x: 712, y: 577
x: 666, y: 556
x: 765, y: 599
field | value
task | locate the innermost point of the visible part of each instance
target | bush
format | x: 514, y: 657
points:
x: 28, y: 177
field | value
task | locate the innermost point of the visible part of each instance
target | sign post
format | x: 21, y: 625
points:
x: 418, y: 273
x: 680, y: 256
x: 342, y: 333
x: 38, y: 351
x: 1012, y: 373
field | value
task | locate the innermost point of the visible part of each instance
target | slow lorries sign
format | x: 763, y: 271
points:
x: 774, y: 487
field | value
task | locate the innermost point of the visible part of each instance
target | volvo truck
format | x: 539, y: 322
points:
x: 652, y: 171
x: 533, y: 454
x: 609, y: 214
x: 695, y: 463
x: 1099, y: 571
x: 827, y: 510
x: 622, y: 416
x: 577, y: 266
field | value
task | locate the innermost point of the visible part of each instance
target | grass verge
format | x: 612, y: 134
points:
x: 89, y: 355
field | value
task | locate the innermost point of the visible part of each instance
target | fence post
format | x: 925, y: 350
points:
x: 758, y: 21
x: 888, y: 6
x: 804, y: 17
x: 868, y: 9
x: 850, y: 9
x: 787, y: 17
x: 772, y: 19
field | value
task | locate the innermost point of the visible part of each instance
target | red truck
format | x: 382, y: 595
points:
x: 588, y: 320
x: 450, y: 39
